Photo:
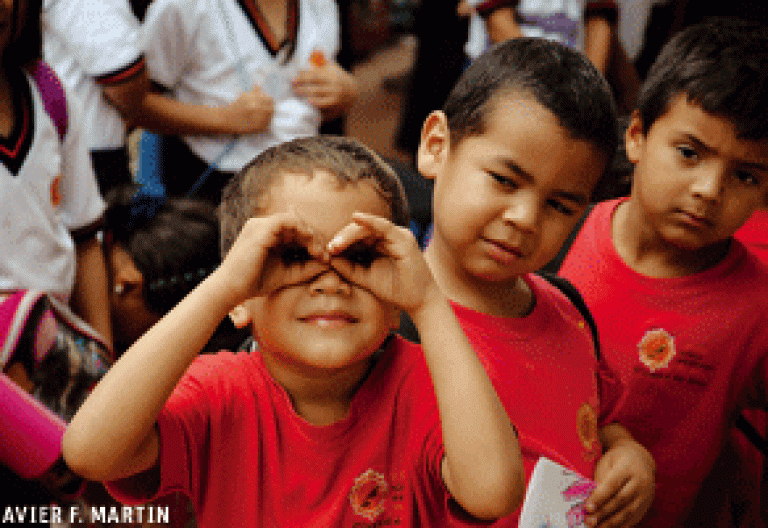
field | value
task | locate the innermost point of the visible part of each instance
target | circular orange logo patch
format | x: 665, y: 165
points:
x: 657, y: 348
x: 55, y: 191
x: 369, y: 495
x: 587, y: 426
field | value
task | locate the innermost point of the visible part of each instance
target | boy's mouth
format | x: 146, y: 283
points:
x: 694, y: 219
x: 502, y: 252
x: 329, y: 319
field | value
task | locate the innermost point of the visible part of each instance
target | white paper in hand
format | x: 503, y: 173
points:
x: 555, y: 497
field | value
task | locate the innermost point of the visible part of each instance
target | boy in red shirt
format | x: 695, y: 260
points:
x: 327, y: 421
x: 680, y: 304
x: 515, y: 155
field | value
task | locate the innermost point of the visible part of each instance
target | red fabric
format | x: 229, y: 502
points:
x: 488, y: 6
x: 230, y: 440
x: 545, y: 372
x: 690, y: 352
x: 754, y: 234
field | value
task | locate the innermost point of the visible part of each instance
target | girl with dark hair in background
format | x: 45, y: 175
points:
x: 158, y: 250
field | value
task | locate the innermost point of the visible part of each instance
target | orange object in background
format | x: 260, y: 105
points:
x: 317, y: 58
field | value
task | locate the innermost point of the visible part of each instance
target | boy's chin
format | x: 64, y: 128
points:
x: 502, y: 274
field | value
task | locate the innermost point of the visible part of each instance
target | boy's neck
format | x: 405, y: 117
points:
x: 6, y: 107
x: 276, y: 14
x: 510, y: 298
x: 319, y: 396
x: 645, y: 252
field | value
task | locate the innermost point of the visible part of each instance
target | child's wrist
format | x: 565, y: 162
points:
x: 218, y: 291
x: 433, y: 298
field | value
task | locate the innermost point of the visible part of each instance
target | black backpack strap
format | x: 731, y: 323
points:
x: 570, y: 291
x: 549, y: 272
x: 553, y: 266
x: 752, y: 434
x: 408, y: 329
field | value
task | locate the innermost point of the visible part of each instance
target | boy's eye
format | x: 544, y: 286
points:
x: 747, y: 178
x: 509, y: 182
x: 560, y: 207
x: 294, y: 254
x: 360, y: 254
x: 687, y: 152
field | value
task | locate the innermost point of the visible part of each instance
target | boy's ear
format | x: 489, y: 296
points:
x: 434, y: 145
x: 240, y: 316
x: 634, y: 138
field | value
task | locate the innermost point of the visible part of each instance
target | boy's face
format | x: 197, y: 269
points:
x: 131, y: 316
x: 505, y: 200
x: 326, y: 324
x: 695, y: 182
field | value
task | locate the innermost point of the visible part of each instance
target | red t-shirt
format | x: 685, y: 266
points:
x: 546, y: 373
x: 231, y: 440
x: 690, y: 352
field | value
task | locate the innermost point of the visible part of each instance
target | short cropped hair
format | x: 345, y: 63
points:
x: 345, y: 158
x: 721, y: 65
x: 562, y: 80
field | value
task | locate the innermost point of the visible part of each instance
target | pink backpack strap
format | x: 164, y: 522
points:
x: 31, y: 434
x: 53, y: 95
x: 14, y: 313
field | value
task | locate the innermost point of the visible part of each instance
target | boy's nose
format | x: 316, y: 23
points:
x: 330, y: 282
x: 522, y: 213
x: 708, y: 184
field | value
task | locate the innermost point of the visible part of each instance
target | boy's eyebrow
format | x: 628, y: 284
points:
x: 577, y: 198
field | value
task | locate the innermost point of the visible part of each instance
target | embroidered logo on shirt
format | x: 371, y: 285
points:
x: 369, y: 495
x: 587, y: 427
x: 657, y: 348
x: 56, y: 191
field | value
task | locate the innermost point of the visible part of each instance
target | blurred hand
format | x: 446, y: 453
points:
x: 464, y: 9
x: 327, y: 87
x: 251, y: 113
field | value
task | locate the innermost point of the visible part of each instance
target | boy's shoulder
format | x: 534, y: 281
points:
x: 555, y: 293
x: 746, y: 267
x: 554, y: 312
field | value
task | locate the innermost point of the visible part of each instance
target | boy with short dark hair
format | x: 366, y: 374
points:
x: 327, y: 421
x: 515, y: 155
x: 681, y: 304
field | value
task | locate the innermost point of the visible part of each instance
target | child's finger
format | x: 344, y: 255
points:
x: 604, y: 492
x: 621, y: 518
x: 348, y: 235
x: 309, y: 77
x: 296, y: 229
x: 376, y: 224
x: 275, y: 279
x: 606, y: 502
x: 357, y: 275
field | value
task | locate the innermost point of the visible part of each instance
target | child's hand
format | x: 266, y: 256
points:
x: 382, y: 258
x: 465, y: 9
x: 625, y: 486
x: 251, y: 113
x: 270, y: 253
x: 327, y: 87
